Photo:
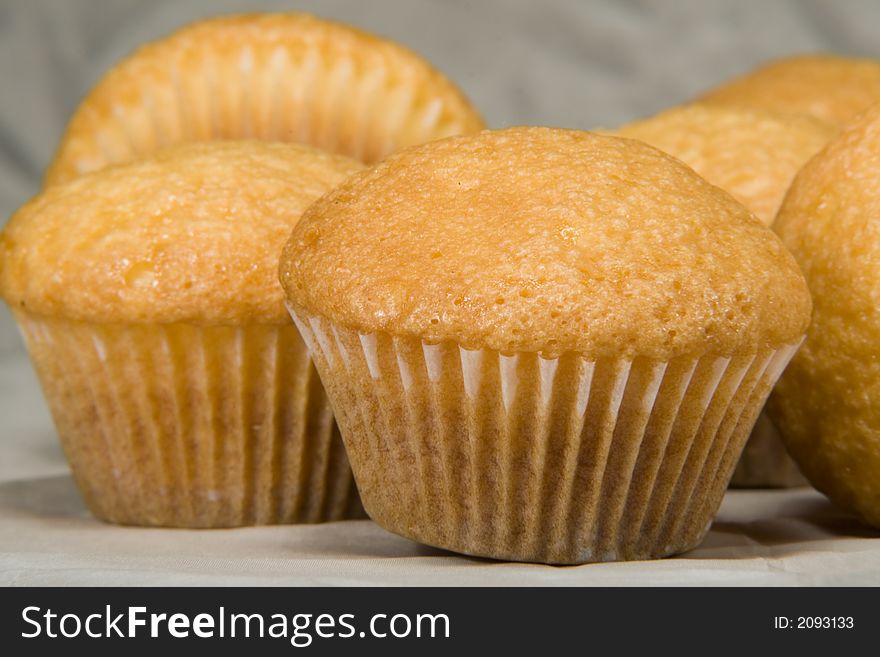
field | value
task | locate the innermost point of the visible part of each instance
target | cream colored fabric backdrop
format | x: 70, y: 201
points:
x: 565, y: 63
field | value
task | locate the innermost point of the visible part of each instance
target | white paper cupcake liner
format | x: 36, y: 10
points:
x: 364, y: 104
x: 190, y: 426
x: 514, y: 456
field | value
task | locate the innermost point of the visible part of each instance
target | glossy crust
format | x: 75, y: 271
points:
x: 192, y: 234
x: 826, y: 405
x: 539, y: 239
x: 828, y: 87
x: 279, y: 77
x: 753, y: 154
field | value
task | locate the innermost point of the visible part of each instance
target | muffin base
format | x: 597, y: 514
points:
x: 520, y: 457
x: 192, y: 426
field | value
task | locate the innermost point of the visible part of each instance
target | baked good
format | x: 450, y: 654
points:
x: 826, y: 404
x: 148, y: 296
x: 831, y: 88
x: 540, y: 344
x: 278, y: 77
x: 753, y: 154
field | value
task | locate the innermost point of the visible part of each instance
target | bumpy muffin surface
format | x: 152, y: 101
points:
x: 753, y: 154
x: 539, y: 239
x: 826, y: 404
x: 191, y: 234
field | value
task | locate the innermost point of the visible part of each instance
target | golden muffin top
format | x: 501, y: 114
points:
x: 752, y: 154
x: 545, y: 240
x: 826, y: 406
x: 279, y: 77
x: 828, y: 87
x: 829, y: 221
x: 190, y: 234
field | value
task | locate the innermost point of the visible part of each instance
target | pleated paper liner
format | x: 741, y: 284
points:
x: 514, y: 456
x: 765, y: 463
x: 189, y: 426
x: 364, y: 102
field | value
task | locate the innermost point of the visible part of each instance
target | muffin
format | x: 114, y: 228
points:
x: 753, y: 154
x: 831, y: 88
x: 148, y: 296
x: 540, y: 344
x: 277, y: 77
x: 826, y: 405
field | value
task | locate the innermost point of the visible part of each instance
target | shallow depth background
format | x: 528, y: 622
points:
x: 569, y: 63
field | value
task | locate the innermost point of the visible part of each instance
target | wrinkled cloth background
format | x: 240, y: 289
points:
x: 586, y: 64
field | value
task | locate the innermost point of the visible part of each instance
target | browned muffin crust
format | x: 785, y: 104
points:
x: 539, y: 239
x: 191, y: 234
x: 753, y: 154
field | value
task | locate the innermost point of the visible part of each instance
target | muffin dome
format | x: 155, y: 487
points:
x: 278, y: 77
x: 543, y: 345
x: 826, y: 405
x: 752, y: 154
x: 827, y: 87
x: 538, y: 239
x: 192, y: 234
